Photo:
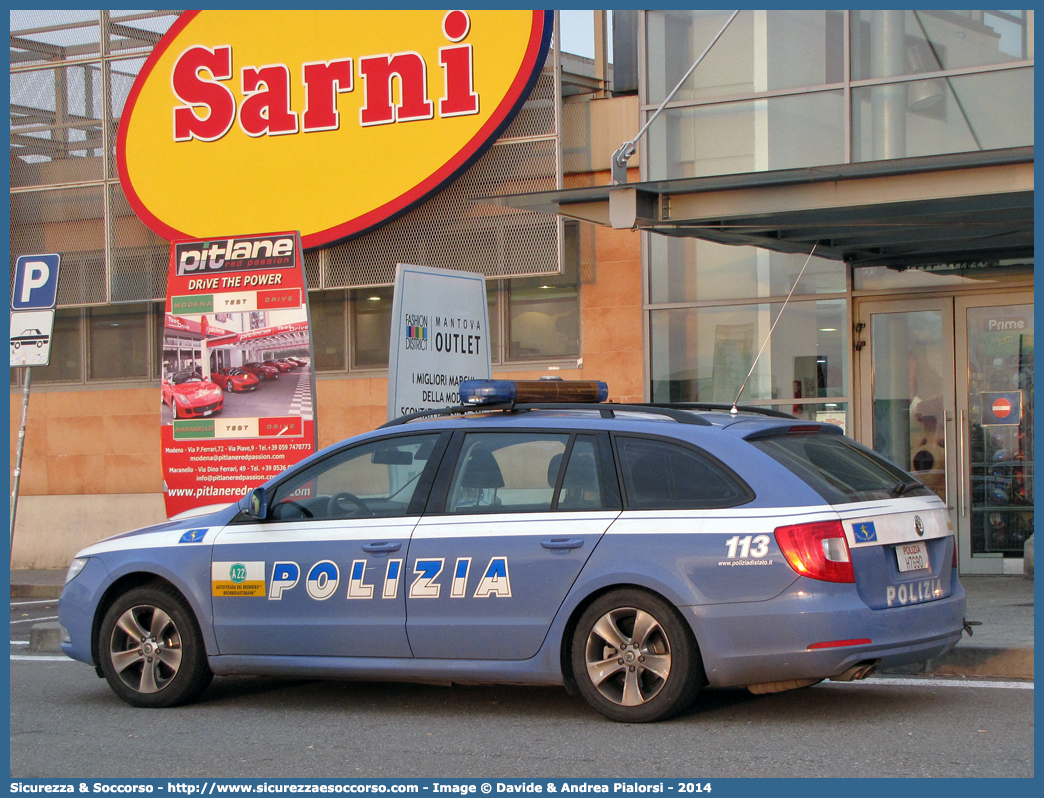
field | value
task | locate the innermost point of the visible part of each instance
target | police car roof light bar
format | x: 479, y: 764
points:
x: 476, y: 392
x: 682, y: 416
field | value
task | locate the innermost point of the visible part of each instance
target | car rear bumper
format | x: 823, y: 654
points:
x: 757, y: 642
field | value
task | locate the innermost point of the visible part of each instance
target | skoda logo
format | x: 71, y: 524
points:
x: 918, y: 526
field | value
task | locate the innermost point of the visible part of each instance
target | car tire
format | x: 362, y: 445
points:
x: 161, y: 620
x: 634, y: 658
x: 228, y: 386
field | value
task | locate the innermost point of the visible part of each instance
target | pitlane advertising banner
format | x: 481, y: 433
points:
x: 238, y: 377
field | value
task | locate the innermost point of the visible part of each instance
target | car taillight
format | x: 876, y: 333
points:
x: 817, y: 550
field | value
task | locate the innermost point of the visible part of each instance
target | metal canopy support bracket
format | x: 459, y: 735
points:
x: 630, y: 208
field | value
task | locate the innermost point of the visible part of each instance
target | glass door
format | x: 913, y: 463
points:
x: 995, y: 422
x: 906, y: 367
x: 946, y: 392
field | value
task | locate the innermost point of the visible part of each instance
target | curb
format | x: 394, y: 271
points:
x: 1005, y: 663
x: 36, y: 591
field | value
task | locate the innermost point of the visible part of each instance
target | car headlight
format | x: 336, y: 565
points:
x: 75, y: 568
x: 181, y: 399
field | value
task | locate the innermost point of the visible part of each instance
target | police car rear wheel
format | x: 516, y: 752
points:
x: 634, y: 659
x: 151, y: 649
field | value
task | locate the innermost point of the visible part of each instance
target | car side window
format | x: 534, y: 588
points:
x: 581, y: 485
x: 506, y: 472
x: 373, y: 480
x: 660, y: 475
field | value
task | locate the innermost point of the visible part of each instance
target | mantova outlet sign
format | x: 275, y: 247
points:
x: 327, y: 122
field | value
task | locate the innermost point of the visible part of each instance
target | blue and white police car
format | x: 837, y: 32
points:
x: 633, y: 553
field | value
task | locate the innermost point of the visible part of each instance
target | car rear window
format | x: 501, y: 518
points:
x: 839, y: 469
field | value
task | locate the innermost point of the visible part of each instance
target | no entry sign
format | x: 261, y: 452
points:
x: 1000, y: 408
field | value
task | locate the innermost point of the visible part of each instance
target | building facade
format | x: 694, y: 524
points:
x: 898, y: 144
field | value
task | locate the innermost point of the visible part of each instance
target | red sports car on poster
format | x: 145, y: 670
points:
x: 235, y: 379
x: 262, y: 371
x: 191, y: 396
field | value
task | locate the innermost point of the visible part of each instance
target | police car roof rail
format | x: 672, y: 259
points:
x: 682, y: 415
x: 708, y: 406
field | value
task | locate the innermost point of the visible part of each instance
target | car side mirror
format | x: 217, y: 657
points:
x: 255, y: 504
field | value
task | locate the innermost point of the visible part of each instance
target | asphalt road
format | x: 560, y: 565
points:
x: 65, y: 722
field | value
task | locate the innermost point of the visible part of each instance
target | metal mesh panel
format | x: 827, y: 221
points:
x: 122, y: 74
x: 140, y: 31
x: 47, y: 36
x: 313, y: 269
x: 537, y: 117
x: 450, y: 232
x: 69, y: 221
x: 56, y: 126
x: 138, y: 270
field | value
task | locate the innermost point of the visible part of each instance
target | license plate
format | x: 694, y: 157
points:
x: 912, y: 557
x: 208, y: 412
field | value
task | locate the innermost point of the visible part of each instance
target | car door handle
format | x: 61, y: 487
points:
x: 557, y: 544
x: 384, y: 546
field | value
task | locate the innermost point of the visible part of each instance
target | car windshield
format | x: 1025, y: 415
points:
x: 182, y: 377
x: 839, y: 469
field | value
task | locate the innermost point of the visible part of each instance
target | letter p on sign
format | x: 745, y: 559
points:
x: 36, y: 282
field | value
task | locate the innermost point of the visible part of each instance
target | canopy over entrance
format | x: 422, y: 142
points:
x: 966, y: 207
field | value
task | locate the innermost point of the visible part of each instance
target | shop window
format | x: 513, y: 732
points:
x: 750, y: 59
x: 66, y: 364
x: 118, y: 337
x: 692, y: 270
x: 704, y: 354
x: 158, y: 315
x: 493, y: 313
x: 371, y: 327
x: 328, y: 310
x: 543, y: 314
x: 890, y: 43
x: 964, y: 113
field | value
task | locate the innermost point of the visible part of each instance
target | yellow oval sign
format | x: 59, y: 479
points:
x: 327, y: 122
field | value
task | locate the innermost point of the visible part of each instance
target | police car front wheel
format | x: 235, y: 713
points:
x: 634, y: 659
x: 151, y: 649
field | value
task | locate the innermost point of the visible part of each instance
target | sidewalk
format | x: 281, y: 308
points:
x: 1001, y: 647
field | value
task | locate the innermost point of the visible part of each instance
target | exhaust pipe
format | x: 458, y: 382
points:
x: 857, y: 672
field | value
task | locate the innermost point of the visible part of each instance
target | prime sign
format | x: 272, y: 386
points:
x: 331, y: 122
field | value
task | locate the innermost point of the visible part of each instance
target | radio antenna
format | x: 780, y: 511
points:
x: 735, y: 408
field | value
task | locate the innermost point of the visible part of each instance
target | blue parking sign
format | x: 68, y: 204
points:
x: 36, y: 282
